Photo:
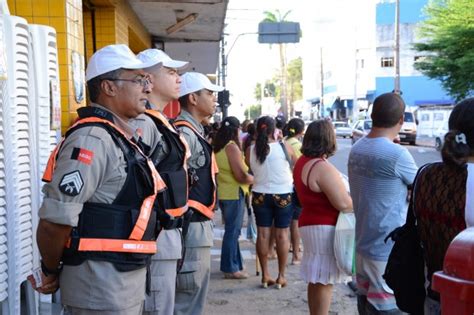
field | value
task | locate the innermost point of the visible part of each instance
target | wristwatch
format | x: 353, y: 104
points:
x: 48, y: 272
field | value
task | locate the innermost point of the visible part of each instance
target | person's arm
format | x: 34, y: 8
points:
x: 51, y: 239
x: 406, y: 167
x: 329, y: 181
x: 234, y: 155
x: 80, y: 167
x: 291, y: 153
x: 247, y: 156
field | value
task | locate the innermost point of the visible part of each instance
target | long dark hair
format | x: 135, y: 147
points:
x: 294, y: 127
x: 459, y: 141
x: 265, y: 129
x: 229, y: 131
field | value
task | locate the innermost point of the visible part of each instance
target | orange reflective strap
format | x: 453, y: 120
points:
x: 143, y: 218
x: 177, y: 212
x: 122, y: 246
x: 158, y: 182
x: 48, y: 172
x: 207, y: 211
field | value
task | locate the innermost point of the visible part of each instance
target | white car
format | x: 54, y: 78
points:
x: 342, y: 129
x: 439, y: 135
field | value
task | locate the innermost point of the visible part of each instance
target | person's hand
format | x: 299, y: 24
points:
x: 50, y: 283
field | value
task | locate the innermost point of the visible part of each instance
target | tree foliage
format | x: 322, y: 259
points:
x: 276, y: 16
x: 449, y: 46
x: 255, y: 111
x: 295, y: 75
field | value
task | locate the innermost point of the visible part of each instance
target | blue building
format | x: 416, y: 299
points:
x: 416, y: 88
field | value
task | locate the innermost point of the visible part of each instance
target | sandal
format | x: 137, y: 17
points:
x: 267, y: 282
x: 238, y: 275
x: 281, y: 283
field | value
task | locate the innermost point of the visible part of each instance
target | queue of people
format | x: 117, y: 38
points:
x: 126, y: 221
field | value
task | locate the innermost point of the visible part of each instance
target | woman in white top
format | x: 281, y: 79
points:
x: 271, y: 196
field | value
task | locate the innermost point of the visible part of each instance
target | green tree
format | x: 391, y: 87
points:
x: 257, y: 92
x: 276, y: 17
x: 295, y: 75
x: 255, y: 111
x: 449, y: 46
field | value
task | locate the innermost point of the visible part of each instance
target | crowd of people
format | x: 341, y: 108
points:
x: 126, y: 223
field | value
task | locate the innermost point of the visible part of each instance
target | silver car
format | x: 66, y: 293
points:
x: 361, y: 129
x: 342, y: 129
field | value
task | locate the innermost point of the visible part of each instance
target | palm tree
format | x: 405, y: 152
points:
x: 277, y: 17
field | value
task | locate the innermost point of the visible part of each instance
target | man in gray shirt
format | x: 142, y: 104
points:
x: 380, y: 172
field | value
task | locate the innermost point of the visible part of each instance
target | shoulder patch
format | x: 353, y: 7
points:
x: 71, y: 184
x: 82, y: 155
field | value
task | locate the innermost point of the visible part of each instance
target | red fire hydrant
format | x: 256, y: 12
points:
x: 456, y: 282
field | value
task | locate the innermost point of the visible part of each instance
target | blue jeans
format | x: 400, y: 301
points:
x: 233, y: 213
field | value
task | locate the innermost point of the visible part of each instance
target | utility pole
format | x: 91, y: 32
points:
x: 321, y: 103
x: 224, y: 74
x: 355, y: 105
x: 397, y: 48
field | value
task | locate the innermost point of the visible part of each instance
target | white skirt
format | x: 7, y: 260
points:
x: 319, y: 264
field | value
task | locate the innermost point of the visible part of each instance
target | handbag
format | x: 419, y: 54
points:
x: 405, y: 270
x: 344, y: 240
x: 294, y: 196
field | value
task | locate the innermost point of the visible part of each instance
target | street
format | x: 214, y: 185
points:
x: 247, y: 297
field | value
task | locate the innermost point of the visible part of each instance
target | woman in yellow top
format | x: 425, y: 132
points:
x: 233, y: 182
x: 293, y: 131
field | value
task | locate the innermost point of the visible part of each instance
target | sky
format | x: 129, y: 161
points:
x: 325, y: 22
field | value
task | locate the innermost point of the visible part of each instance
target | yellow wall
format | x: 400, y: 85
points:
x: 115, y: 23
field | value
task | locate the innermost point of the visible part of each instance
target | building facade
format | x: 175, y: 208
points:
x: 416, y: 88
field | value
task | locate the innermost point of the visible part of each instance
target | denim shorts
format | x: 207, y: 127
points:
x: 272, y: 209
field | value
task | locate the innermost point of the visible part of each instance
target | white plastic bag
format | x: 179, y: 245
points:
x: 344, y: 238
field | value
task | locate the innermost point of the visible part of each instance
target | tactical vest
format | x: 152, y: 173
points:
x: 203, y: 195
x: 172, y: 167
x: 123, y: 232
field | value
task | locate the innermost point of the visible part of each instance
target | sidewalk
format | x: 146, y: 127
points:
x: 247, y: 297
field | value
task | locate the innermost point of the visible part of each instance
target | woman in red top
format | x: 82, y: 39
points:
x: 322, y: 194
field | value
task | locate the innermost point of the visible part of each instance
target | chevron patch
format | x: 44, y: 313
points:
x: 71, y: 183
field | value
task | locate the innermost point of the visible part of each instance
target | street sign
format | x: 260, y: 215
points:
x: 278, y: 32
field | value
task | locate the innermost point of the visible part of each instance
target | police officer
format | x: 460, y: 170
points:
x: 97, y: 227
x: 198, y: 101
x: 169, y: 152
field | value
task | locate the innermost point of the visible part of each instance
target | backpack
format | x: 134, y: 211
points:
x: 405, y: 270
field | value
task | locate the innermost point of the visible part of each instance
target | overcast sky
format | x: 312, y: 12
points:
x: 250, y: 62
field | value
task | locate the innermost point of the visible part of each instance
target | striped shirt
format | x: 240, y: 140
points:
x: 379, y: 172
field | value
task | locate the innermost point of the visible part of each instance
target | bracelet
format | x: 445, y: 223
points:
x: 47, y: 272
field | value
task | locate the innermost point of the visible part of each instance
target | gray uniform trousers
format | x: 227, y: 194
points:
x: 161, y: 299
x: 135, y: 310
x: 192, y: 282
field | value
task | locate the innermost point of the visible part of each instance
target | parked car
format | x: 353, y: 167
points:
x: 408, y: 131
x: 360, y: 129
x: 439, y: 135
x: 342, y: 129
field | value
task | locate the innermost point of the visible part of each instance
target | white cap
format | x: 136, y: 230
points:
x: 159, y: 56
x: 114, y: 57
x: 195, y: 81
